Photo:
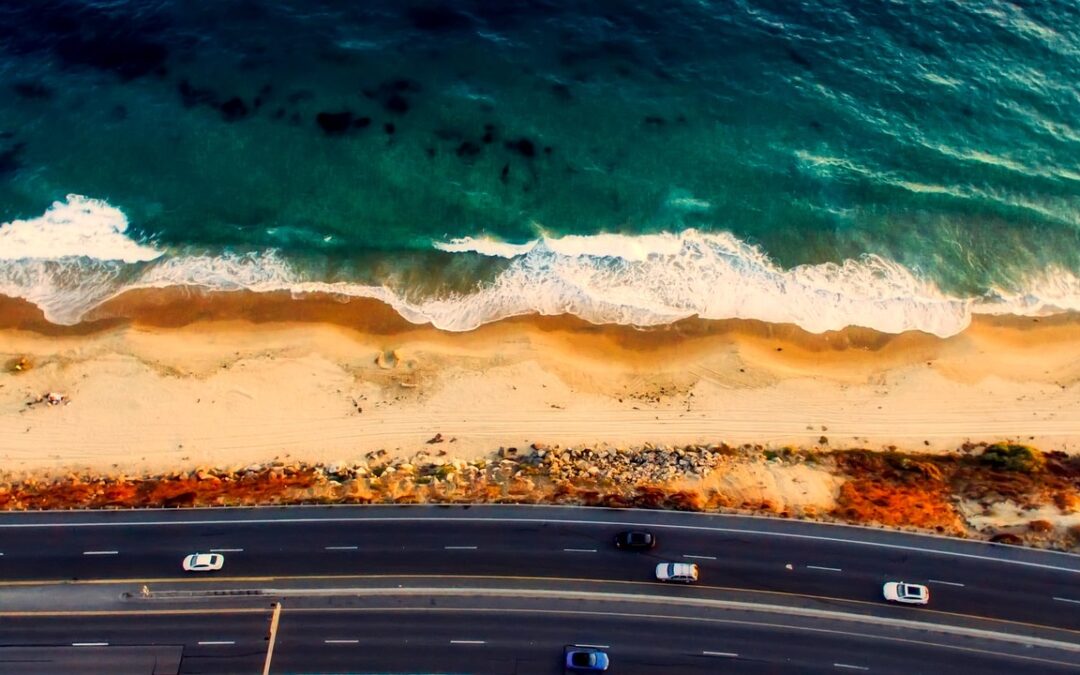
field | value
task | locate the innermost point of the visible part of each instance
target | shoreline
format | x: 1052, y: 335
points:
x: 224, y: 378
x: 179, y: 306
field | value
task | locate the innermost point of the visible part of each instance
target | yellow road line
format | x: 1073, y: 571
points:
x: 132, y: 612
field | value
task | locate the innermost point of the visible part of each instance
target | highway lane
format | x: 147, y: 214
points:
x: 986, y: 583
x: 498, y: 642
x: 201, y: 638
x: 417, y: 635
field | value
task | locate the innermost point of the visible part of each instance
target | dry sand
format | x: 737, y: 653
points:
x: 165, y: 392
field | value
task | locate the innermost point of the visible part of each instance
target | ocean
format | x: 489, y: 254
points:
x: 896, y: 165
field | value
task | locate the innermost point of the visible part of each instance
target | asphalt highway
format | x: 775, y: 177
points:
x: 425, y: 639
x: 1043, y: 590
x: 988, y: 587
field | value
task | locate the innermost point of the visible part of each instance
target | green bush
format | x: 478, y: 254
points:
x: 1012, y: 457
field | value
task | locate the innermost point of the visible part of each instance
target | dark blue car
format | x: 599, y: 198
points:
x: 586, y: 660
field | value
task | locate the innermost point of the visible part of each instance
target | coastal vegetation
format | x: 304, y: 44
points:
x: 1003, y: 492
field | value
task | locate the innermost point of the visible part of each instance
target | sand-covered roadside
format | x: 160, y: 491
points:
x: 194, y: 388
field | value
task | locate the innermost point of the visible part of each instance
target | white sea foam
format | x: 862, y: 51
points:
x: 1054, y: 291
x: 63, y: 289
x: 603, y: 245
x: 638, y: 280
x: 484, y: 246
x: 659, y: 278
x: 77, y: 227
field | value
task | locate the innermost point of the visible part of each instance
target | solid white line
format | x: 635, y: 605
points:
x: 580, y: 550
x: 700, y: 557
x: 89, y: 644
x: 216, y: 642
x: 100, y: 552
x: 594, y: 646
x: 467, y: 642
x: 731, y: 654
x: 226, y: 550
x: 341, y: 548
x: 460, y: 548
x: 1067, y: 600
x: 827, y: 569
x: 341, y: 642
x: 574, y: 521
x: 947, y: 583
x: 850, y: 667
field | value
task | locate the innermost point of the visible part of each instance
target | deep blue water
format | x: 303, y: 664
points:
x: 897, y: 165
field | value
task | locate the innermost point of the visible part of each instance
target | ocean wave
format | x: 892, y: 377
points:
x: 1054, y: 291
x: 77, y: 227
x: 641, y: 280
x: 659, y: 278
x: 603, y: 245
x: 484, y: 246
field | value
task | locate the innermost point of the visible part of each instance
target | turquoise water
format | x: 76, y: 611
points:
x: 897, y: 165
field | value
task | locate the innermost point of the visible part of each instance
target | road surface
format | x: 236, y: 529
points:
x: 563, y: 557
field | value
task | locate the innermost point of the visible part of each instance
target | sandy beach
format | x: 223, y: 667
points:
x: 322, y: 380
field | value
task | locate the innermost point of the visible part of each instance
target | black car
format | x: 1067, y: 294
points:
x: 635, y: 539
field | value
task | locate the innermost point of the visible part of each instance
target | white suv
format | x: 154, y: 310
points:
x: 684, y: 572
x: 909, y: 594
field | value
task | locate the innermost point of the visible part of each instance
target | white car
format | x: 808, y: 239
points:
x: 203, y: 562
x: 672, y: 571
x: 909, y: 594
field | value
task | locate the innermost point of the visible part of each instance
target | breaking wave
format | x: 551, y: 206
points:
x: 78, y: 255
x: 78, y: 227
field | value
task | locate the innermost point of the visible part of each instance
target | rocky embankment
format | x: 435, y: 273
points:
x: 1009, y: 493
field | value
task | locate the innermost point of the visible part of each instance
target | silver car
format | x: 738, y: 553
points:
x: 672, y: 571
